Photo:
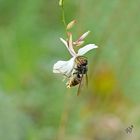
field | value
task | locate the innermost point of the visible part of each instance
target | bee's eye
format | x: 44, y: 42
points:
x: 84, y: 64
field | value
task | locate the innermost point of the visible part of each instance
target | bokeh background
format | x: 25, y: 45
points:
x: 34, y: 102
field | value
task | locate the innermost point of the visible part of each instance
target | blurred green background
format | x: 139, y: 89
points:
x: 34, y: 102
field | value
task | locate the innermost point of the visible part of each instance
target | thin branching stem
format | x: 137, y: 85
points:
x: 63, y: 15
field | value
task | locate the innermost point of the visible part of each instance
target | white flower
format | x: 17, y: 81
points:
x: 66, y: 67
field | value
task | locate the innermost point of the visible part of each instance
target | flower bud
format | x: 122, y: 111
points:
x: 61, y: 2
x: 71, y: 24
x: 84, y: 36
x: 78, y: 43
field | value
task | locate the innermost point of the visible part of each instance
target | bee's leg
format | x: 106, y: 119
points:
x: 69, y: 83
x: 64, y: 78
x: 77, y: 69
x: 75, y: 73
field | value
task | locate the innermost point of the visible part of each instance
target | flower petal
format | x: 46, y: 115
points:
x: 65, y: 43
x: 64, y: 67
x: 70, y: 43
x: 86, y: 48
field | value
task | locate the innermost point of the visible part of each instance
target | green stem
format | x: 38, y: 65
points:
x: 63, y: 16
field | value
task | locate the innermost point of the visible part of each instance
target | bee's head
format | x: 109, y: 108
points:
x: 81, y: 60
x: 84, y: 63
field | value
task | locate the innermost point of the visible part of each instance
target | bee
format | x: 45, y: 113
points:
x: 80, y: 69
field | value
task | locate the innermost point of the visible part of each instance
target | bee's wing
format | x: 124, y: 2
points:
x: 79, y: 87
x: 86, y: 80
x: 80, y: 84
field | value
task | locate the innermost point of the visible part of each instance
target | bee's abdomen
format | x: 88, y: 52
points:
x: 75, y: 82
